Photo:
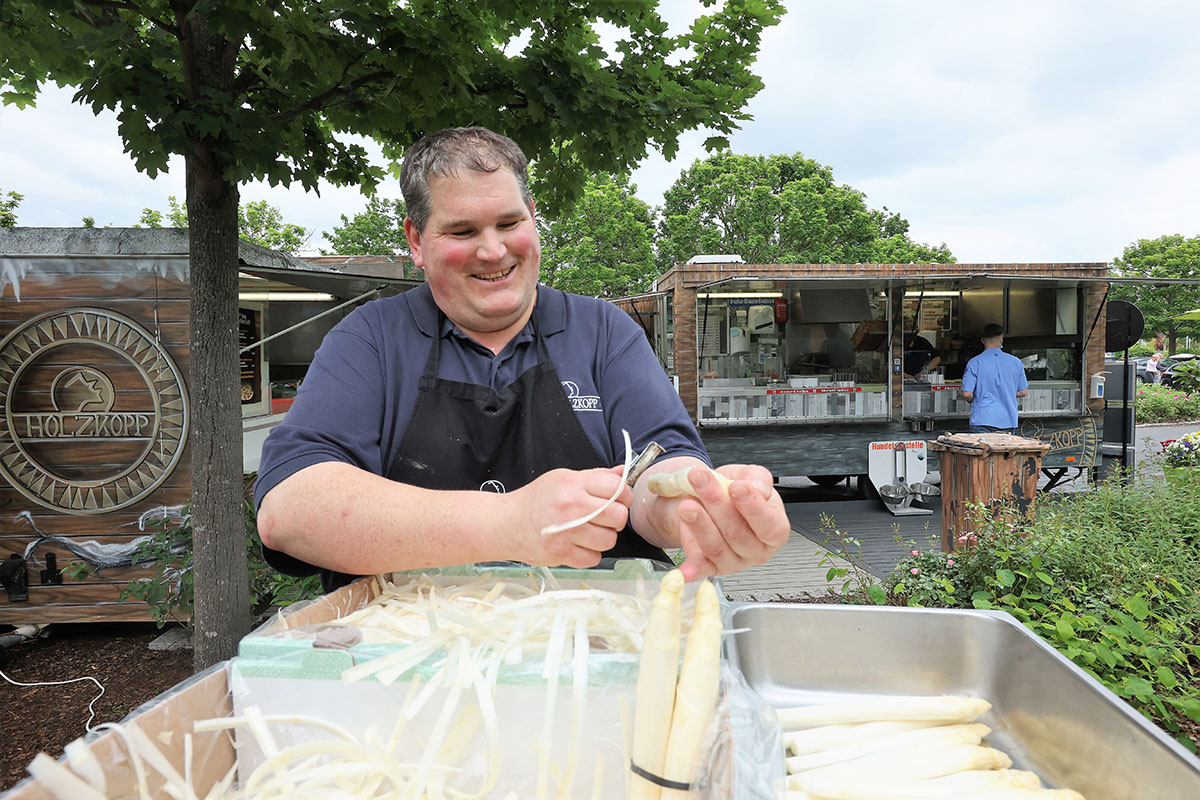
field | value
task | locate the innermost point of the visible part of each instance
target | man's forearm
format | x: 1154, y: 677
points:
x: 336, y: 516
x: 653, y: 517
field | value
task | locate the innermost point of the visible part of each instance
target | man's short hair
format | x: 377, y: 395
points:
x: 444, y: 153
x: 992, y: 330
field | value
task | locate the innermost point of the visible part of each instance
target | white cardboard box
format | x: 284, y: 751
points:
x: 166, y: 718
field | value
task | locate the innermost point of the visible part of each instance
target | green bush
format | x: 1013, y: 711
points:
x: 1158, y: 403
x: 1110, y: 577
x: 1187, y: 376
x: 1140, y: 349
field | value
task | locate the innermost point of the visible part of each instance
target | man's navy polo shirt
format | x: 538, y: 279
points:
x: 355, y: 402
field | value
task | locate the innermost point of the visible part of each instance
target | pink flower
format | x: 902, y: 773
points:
x: 914, y: 570
x: 916, y: 552
x: 949, y: 562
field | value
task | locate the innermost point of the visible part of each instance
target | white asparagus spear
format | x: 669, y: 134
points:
x: 676, y: 484
x: 979, y: 779
x: 908, y: 742
x: 813, y: 740
x: 60, y: 781
x: 997, y: 789
x: 1024, y: 794
x: 950, y: 787
x: 915, y: 766
x: 696, y: 696
x: 657, y: 677
x: 933, y: 709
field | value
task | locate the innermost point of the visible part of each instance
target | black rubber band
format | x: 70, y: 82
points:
x: 663, y: 782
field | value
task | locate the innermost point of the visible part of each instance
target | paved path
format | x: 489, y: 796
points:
x: 796, y: 570
x: 867, y: 533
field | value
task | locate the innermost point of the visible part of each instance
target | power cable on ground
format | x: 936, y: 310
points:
x: 91, y: 706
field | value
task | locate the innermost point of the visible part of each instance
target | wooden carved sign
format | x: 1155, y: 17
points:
x: 89, y: 380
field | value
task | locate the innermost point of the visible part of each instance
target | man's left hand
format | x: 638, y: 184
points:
x: 724, y: 531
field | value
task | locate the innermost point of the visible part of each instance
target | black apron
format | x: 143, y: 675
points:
x: 464, y: 436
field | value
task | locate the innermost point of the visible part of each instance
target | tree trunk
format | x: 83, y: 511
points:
x: 221, y: 615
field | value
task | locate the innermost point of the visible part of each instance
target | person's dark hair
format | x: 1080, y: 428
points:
x: 992, y: 330
x: 445, y: 152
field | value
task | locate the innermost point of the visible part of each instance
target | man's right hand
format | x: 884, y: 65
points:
x: 339, y: 517
x: 560, y: 496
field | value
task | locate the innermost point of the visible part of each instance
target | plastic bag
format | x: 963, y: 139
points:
x: 745, y: 752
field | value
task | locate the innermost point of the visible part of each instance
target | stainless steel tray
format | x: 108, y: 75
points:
x: 1049, y: 715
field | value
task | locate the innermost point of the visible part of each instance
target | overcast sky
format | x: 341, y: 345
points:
x: 1012, y: 132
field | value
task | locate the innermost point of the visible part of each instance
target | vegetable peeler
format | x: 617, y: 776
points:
x: 643, y: 460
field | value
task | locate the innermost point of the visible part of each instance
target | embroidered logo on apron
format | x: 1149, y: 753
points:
x: 492, y: 486
x: 586, y: 402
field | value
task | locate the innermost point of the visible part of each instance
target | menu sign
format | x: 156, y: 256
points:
x: 249, y: 333
x: 817, y: 390
x: 937, y: 313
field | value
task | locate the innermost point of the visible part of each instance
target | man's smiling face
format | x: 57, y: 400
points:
x: 480, y: 252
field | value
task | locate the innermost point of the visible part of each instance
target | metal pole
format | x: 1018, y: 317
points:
x: 302, y: 323
x: 1127, y: 406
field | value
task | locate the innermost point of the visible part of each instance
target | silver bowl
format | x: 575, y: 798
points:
x: 893, y: 493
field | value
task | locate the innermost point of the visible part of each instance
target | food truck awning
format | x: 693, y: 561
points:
x: 340, y: 276
x: 779, y: 282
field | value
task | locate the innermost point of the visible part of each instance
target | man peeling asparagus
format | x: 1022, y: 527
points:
x: 455, y: 422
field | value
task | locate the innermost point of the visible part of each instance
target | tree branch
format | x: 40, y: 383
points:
x: 120, y: 4
x: 322, y: 99
x: 246, y: 80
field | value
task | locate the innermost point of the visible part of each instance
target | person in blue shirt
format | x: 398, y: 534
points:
x: 992, y: 382
x: 453, y: 423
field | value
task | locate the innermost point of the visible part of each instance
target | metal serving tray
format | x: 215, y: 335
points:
x: 1047, y: 714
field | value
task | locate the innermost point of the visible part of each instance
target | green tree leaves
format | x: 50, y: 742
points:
x: 262, y: 223
x: 247, y: 90
x: 604, y: 246
x: 8, y: 208
x: 258, y: 222
x: 376, y: 231
x: 779, y: 210
x: 1172, y: 256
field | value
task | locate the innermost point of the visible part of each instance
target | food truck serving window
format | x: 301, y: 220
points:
x: 942, y: 326
x: 793, y: 352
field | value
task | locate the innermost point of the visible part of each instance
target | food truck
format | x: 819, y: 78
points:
x: 802, y: 367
